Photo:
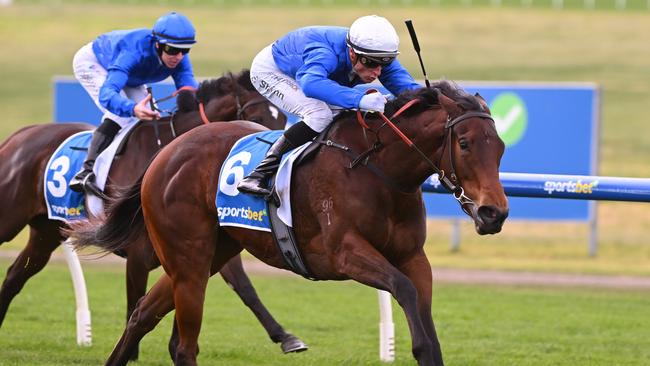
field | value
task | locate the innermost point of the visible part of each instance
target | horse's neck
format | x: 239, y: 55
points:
x: 221, y: 109
x: 185, y: 122
x: 400, y: 163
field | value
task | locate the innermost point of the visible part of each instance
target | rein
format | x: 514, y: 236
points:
x: 451, y: 182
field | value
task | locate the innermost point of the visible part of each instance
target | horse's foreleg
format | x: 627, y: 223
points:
x: 235, y: 276
x: 360, y: 261
x: 147, y: 314
x: 43, y: 239
x: 418, y: 270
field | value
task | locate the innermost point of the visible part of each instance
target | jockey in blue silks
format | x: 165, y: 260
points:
x: 114, y: 69
x: 311, y: 71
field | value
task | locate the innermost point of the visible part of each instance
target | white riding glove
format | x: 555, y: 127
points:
x: 373, y: 102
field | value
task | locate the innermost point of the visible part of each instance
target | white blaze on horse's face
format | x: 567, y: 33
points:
x: 274, y: 111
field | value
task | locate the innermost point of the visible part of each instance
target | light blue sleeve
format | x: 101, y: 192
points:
x: 109, y: 93
x: 313, y: 78
x: 396, y: 79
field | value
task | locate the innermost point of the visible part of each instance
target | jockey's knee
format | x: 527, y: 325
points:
x: 319, y: 120
x: 122, y: 121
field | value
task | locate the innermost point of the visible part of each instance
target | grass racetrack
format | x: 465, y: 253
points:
x: 478, y: 325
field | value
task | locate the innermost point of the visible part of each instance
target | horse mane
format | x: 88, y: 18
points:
x: 428, y: 97
x: 187, y: 101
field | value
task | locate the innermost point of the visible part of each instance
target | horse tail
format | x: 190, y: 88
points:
x: 122, y: 225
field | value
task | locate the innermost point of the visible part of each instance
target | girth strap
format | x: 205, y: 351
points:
x: 287, y: 244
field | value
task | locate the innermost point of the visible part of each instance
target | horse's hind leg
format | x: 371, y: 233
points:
x: 233, y: 273
x: 147, y: 314
x: 44, y: 237
x: 140, y: 259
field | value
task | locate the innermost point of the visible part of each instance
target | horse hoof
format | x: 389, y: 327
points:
x: 293, y: 344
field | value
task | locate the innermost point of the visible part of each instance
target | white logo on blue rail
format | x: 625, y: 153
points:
x: 570, y: 186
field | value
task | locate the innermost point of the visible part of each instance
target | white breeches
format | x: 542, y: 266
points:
x: 91, y: 75
x: 283, y: 91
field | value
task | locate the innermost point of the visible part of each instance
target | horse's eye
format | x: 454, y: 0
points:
x: 464, y: 144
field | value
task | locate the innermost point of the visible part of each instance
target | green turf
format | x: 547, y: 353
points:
x: 478, y: 325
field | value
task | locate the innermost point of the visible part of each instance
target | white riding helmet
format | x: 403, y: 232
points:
x: 374, y: 36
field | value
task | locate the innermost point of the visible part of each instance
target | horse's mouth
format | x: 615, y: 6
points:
x: 491, y: 229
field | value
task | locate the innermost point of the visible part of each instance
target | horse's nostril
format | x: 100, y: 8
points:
x: 492, y: 214
x: 488, y: 213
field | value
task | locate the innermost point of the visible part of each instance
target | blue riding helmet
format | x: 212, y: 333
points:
x: 175, y: 30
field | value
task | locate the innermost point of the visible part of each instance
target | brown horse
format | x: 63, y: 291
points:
x: 25, y: 154
x: 365, y: 223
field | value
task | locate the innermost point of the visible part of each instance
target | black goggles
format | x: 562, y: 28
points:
x: 372, y: 62
x: 173, y: 51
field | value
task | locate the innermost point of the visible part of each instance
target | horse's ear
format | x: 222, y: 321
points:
x: 449, y: 104
x: 186, y: 101
x: 482, y: 101
x: 245, y: 80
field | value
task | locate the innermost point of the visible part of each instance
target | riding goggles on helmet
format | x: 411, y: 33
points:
x: 371, y: 58
x: 372, y: 62
x: 173, y: 51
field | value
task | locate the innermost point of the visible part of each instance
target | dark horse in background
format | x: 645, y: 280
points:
x: 25, y: 154
x: 357, y: 223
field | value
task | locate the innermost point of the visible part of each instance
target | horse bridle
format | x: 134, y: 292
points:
x: 242, y: 108
x: 452, y: 183
x: 449, y: 182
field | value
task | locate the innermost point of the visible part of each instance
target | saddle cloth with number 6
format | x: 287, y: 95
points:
x: 245, y: 210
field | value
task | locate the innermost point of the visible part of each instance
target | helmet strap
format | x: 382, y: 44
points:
x: 159, y: 49
x: 354, y: 57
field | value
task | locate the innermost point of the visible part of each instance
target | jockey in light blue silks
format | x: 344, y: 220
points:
x: 312, y: 70
x: 114, y: 69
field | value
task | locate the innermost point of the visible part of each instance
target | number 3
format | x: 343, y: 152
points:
x: 58, y: 185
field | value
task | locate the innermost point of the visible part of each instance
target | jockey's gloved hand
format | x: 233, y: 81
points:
x: 373, y: 102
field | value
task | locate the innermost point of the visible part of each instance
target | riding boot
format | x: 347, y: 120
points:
x: 257, y: 181
x: 102, y: 137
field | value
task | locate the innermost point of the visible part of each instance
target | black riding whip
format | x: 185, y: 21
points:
x: 155, y: 121
x: 416, y: 45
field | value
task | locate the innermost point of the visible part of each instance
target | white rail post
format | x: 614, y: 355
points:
x: 84, y: 334
x: 386, y: 328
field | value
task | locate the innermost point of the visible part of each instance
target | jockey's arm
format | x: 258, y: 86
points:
x: 116, y: 79
x: 313, y: 78
x: 396, y: 79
